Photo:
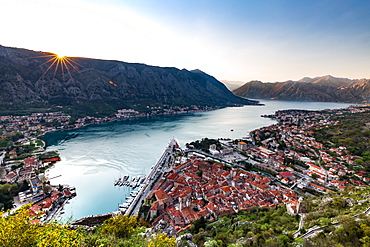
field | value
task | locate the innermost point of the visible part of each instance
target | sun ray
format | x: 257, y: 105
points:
x: 61, y: 63
x: 66, y: 64
x: 62, y: 67
x: 73, y: 66
x: 72, y: 61
x: 69, y: 72
x: 51, y: 59
x: 51, y: 65
x: 51, y: 55
x: 56, y: 67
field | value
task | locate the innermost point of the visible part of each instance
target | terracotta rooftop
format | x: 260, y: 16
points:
x: 160, y: 194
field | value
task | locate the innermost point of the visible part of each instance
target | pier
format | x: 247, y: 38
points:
x: 152, y: 176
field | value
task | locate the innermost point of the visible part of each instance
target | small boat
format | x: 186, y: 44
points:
x: 132, y: 184
x: 129, y: 199
x: 134, y: 193
x: 117, y: 182
x: 124, y: 205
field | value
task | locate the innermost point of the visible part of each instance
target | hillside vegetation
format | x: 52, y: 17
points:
x: 258, y: 227
x: 340, y: 215
x: 353, y: 132
x: 21, y: 230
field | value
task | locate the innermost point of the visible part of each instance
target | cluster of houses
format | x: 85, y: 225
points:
x: 47, y: 206
x: 199, y: 188
x: 292, y: 139
x: 162, y: 110
x: 34, y: 124
x: 28, y: 169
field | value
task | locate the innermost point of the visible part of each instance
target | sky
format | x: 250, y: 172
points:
x: 237, y: 40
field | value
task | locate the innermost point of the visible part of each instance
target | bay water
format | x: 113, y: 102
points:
x: 93, y: 157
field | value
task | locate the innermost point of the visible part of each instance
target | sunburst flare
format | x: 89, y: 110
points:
x: 60, y: 62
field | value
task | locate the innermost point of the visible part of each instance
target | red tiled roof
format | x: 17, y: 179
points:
x: 67, y: 192
x: 226, y: 188
x: 172, y: 176
x: 286, y: 174
x: 160, y: 194
x: 181, y: 165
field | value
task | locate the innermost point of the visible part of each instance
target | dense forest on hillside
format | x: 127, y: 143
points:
x: 353, y: 132
x: 258, y: 227
x: 340, y: 215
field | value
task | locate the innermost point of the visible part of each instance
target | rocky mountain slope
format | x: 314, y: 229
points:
x: 39, y: 79
x: 325, y: 88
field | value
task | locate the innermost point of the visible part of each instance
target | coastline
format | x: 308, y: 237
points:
x: 217, y: 114
x: 98, y: 121
x: 161, y: 189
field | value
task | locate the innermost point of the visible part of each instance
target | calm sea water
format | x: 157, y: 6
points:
x: 94, y: 156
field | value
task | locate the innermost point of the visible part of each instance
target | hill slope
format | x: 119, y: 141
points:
x: 39, y: 79
x: 325, y: 88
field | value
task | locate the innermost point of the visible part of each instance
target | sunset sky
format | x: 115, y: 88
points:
x: 267, y: 40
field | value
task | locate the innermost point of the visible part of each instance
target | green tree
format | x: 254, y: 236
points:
x: 212, y: 243
x: 162, y: 240
x: 18, y: 230
x: 120, y: 226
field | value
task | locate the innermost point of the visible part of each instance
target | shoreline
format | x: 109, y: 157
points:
x: 127, y: 118
x: 136, y: 117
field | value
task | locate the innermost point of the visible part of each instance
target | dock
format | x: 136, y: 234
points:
x: 151, y: 177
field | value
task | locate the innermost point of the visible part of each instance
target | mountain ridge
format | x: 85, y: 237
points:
x: 323, y: 88
x: 39, y: 79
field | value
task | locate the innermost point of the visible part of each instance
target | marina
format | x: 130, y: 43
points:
x: 134, y: 182
x: 133, y: 202
x: 148, y: 181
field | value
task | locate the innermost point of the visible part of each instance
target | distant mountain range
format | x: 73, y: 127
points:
x: 325, y: 88
x: 232, y: 85
x: 40, y: 79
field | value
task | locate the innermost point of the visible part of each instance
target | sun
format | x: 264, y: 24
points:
x: 59, y: 62
x: 59, y: 56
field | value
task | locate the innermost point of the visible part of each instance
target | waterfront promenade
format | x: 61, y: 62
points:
x: 152, y: 177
